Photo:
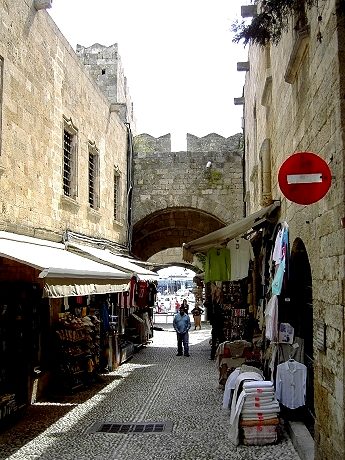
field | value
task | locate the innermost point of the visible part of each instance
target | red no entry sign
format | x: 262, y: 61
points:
x: 304, y: 178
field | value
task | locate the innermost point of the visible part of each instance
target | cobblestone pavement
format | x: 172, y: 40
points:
x: 154, y: 386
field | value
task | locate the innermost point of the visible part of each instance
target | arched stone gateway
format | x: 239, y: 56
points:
x: 171, y: 258
x: 181, y: 196
x: 170, y: 228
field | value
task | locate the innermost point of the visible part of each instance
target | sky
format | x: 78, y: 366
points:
x: 176, y: 271
x: 178, y: 57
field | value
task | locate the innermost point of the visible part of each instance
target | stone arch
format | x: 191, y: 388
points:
x: 170, y: 228
x: 300, y: 290
x: 175, y: 263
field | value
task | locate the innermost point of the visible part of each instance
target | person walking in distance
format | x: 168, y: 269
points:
x: 197, y: 312
x: 185, y: 306
x: 181, y: 324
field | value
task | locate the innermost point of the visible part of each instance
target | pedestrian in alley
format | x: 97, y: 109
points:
x: 181, y: 324
x: 197, y: 312
x: 185, y: 306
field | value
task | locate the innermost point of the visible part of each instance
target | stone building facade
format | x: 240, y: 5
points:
x: 56, y: 124
x: 179, y: 196
x: 65, y: 113
x: 103, y: 64
x: 294, y: 100
x: 64, y: 147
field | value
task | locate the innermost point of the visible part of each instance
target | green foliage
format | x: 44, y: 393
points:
x: 215, y: 178
x: 202, y: 259
x: 272, y: 20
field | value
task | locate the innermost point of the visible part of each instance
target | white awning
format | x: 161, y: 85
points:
x: 64, y: 274
x: 218, y: 237
x: 114, y: 260
x: 66, y: 287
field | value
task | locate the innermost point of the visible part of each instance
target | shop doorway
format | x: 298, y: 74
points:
x: 301, y: 296
x: 24, y: 322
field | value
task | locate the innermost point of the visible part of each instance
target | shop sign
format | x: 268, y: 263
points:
x: 304, y: 178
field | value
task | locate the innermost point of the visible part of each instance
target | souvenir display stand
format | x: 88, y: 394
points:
x: 134, y: 310
x: 260, y: 394
x: 230, y: 355
x: 78, y: 351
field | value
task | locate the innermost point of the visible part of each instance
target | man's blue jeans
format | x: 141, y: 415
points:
x: 183, y: 339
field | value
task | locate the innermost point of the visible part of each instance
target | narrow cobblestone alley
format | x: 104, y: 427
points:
x: 155, y: 386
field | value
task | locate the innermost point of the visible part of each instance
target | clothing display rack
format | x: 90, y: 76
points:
x: 77, y: 350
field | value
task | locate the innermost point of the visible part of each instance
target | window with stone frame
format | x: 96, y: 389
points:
x: 300, y: 20
x: 69, y: 166
x: 117, y: 184
x: 1, y: 95
x: 300, y: 42
x: 93, y: 177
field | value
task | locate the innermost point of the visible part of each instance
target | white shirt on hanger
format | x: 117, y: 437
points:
x: 241, y: 253
x: 277, y: 250
x: 291, y: 381
x: 271, y: 319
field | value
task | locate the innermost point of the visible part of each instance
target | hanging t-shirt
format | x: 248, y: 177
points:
x: 241, y: 253
x: 151, y: 294
x: 132, y: 291
x: 124, y: 299
x: 217, y: 265
x: 143, y: 294
x: 281, y: 245
x: 278, y: 279
x: 271, y: 319
x: 277, y: 250
x: 291, y: 384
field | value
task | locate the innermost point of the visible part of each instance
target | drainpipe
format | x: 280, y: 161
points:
x: 244, y: 192
x: 265, y: 156
x: 244, y: 179
x: 129, y: 184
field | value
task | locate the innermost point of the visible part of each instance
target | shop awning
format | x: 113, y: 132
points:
x: 64, y: 274
x: 227, y: 233
x: 113, y: 260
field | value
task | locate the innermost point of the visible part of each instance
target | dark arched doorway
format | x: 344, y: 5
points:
x: 170, y: 228
x: 301, y: 317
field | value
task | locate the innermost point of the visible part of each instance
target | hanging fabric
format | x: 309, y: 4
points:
x: 271, y: 319
x: 291, y: 384
x: 241, y: 253
x: 217, y: 265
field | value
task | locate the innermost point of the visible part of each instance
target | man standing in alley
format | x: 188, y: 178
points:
x: 182, y: 325
x: 197, y: 312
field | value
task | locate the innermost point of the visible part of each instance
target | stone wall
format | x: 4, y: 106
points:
x: 293, y: 102
x: 165, y: 179
x: 103, y: 63
x: 43, y: 82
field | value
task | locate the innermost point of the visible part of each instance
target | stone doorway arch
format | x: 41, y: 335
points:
x: 170, y: 228
x: 301, y: 301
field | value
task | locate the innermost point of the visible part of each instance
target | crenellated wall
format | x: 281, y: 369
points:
x: 165, y: 179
